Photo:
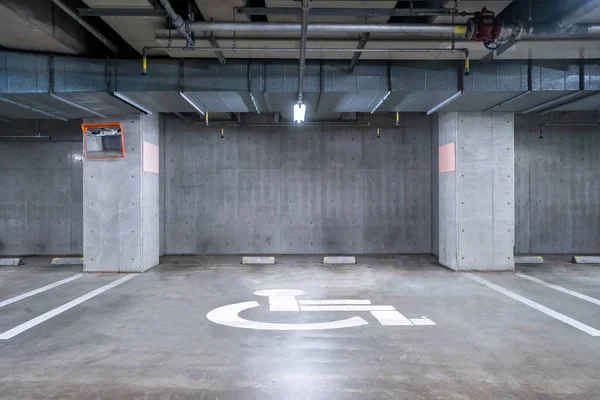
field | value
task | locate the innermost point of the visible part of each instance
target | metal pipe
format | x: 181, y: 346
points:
x: 574, y: 124
x: 569, y: 19
x: 215, y: 45
x: 324, y: 49
x: 121, y: 12
x: 178, y: 22
x: 25, y: 137
x: 354, y: 12
x: 305, y: 124
x: 361, y: 45
x: 303, y: 39
x: 330, y: 28
x: 84, y: 24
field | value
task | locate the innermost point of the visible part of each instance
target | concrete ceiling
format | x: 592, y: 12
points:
x: 140, y: 32
x: 29, y: 25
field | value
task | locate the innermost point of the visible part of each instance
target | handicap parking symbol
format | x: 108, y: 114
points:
x: 284, y: 300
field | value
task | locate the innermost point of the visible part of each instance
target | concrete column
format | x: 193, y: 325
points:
x: 121, y: 202
x: 476, y: 190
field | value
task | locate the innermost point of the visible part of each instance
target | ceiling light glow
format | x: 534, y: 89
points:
x: 299, y: 112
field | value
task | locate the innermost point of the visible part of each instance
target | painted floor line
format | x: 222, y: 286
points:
x: 332, y: 302
x: 537, y: 306
x: 391, y: 318
x: 560, y: 289
x: 53, y: 313
x: 347, y: 308
x: 39, y: 290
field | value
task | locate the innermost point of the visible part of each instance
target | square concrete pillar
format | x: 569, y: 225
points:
x: 121, y: 202
x: 476, y: 190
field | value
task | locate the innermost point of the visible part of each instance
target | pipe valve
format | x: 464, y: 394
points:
x: 486, y: 27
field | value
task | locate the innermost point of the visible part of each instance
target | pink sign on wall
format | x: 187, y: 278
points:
x: 150, y: 157
x: 447, y: 158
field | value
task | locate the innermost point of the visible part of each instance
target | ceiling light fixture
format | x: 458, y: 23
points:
x: 299, y: 112
x: 191, y: 102
x: 132, y: 103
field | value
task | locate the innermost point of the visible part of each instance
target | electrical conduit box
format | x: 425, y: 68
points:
x: 103, y: 140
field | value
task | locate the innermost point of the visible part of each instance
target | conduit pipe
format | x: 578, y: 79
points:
x: 433, y: 29
x: 178, y: 22
x: 355, y: 12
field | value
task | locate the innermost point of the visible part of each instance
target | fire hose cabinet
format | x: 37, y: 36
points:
x: 103, y: 140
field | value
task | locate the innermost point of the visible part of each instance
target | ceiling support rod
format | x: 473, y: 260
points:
x: 215, y: 45
x: 361, y: 45
x: 303, y: 40
x: 73, y: 14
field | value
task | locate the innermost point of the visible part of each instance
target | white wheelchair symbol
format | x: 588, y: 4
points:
x: 284, y: 300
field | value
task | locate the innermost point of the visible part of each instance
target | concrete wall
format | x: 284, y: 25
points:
x: 557, y: 185
x: 299, y: 189
x: 41, y: 189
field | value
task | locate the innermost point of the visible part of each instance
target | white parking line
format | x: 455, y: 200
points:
x: 40, y: 290
x: 560, y: 289
x: 548, y: 311
x: 347, y: 308
x: 53, y: 313
x: 391, y: 318
x: 332, y: 302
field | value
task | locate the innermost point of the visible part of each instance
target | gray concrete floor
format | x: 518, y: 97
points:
x: 149, y: 338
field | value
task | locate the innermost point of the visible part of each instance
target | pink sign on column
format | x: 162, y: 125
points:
x: 447, y: 158
x: 150, y: 157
